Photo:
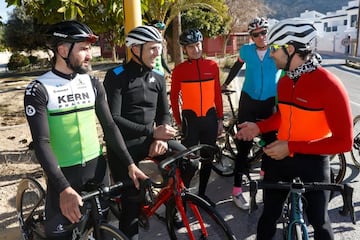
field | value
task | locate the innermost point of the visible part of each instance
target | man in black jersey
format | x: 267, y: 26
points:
x: 61, y: 108
x: 138, y: 103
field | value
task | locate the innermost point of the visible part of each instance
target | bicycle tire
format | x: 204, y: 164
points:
x: 30, y: 206
x: 107, y: 232
x: 355, y: 150
x: 338, y: 167
x: 216, y: 226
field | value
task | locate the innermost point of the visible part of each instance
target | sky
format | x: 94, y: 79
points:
x: 4, y: 10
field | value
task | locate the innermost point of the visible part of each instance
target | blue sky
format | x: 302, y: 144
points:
x: 4, y: 10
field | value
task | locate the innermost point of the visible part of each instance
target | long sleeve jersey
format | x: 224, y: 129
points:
x: 314, y: 114
x: 137, y: 98
x: 197, y: 81
x: 61, y: 111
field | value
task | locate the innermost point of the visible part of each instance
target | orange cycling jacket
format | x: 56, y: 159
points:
x: 314, y: 114
x: 197, y: 81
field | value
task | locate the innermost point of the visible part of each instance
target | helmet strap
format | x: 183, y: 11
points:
x: 290, y: 57
x: 139, y: 58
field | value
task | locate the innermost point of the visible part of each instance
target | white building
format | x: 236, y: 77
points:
x: 337, y: 30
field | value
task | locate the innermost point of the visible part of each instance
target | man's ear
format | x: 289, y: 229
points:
x: 136, y: 49
x: 63, y: 50
x: 291, y: 49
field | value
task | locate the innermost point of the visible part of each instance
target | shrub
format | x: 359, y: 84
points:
x: 17, y: 61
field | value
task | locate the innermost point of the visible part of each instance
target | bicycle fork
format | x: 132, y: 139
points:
x: 296, y: 215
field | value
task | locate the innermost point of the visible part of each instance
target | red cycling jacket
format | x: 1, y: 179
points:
x: 198, y: 84
x: 314, y: 114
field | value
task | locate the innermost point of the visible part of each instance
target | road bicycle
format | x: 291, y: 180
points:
x: 30, y: 206
x: 200, y: 219
x: 294, y: 225
x: 355, y: 151
x: 224, y: 161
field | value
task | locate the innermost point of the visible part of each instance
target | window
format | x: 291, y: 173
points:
x: 353, y: 21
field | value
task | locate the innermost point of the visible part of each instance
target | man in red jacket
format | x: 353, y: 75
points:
x: 196, y: 80
x: 314, y: 121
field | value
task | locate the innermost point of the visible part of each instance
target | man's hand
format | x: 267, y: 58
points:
x: 164, y: 132
x: 157, y: 148
x: 135, y: 173
x: 277, y: 150
x: 247, y: 131
x: 70, y: 201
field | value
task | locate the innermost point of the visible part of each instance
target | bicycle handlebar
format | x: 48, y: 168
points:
x: 169, y: 160
x: 345, y: 189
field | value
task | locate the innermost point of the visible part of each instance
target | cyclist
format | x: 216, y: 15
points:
x: 257, y: 100
x: 197, y: 81
x: 138, y: 102
x: 61, y: 108
x: 161, y: 64
x: 311, y: 123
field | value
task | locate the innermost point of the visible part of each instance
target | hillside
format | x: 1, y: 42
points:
x: 292, y: 8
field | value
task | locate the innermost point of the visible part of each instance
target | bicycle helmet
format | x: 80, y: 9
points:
x: 71, y: 31
x: 190, y: 36
x: 297, y: 32
x: 141, y: 35
x: 257, y: 23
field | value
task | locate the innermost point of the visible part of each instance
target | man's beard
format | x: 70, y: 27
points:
x: 78, y: 67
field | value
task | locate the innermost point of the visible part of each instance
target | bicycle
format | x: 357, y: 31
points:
x: 224, y: 161
x: 30, y: 205
x: 355, y: 151
x: 294, y: 226
x: 200, y: 219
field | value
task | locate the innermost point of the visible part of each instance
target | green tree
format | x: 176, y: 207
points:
x: 19, y: 32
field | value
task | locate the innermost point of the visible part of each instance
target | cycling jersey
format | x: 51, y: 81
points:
x: 61, y: 112
x: 259, y: 82
x: 312, y: 121
x: 198, y: 83
x: 137, y: 98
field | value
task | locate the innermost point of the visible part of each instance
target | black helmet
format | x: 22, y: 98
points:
x: 70, y: 31
x: 190, y: 36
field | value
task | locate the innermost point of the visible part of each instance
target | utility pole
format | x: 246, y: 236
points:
x: 132, y: 10
x: 358, y: 32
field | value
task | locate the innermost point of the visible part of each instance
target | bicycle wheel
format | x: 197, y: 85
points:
x: 355, y: 151
x: 107, y: 232
x: 338, y: 167
x: 30, y: 206
x: 214, y: 225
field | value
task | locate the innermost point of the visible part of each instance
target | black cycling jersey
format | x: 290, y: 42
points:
x: 69, y: 95
x: 137, y: 98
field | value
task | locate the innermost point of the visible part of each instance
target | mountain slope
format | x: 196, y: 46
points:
x: 292, y: 8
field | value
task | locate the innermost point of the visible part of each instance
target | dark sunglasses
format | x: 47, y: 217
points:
x: 263, y: 33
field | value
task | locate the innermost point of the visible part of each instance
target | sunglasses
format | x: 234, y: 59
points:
x: 262, y: 33
x: 275, y: 47
x: 159, y: 25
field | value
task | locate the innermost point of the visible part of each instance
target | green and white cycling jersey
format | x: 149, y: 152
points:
x: 71, y: 118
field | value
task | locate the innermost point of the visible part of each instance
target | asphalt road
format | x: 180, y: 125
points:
x: 244, y: 224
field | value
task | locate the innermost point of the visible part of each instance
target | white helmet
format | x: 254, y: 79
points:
x: 295, y: 31
x: 257, y: 23
x: 141, y: 35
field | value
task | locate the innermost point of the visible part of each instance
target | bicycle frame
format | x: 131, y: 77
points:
x: 174, y: 188
x: 296, y: 216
